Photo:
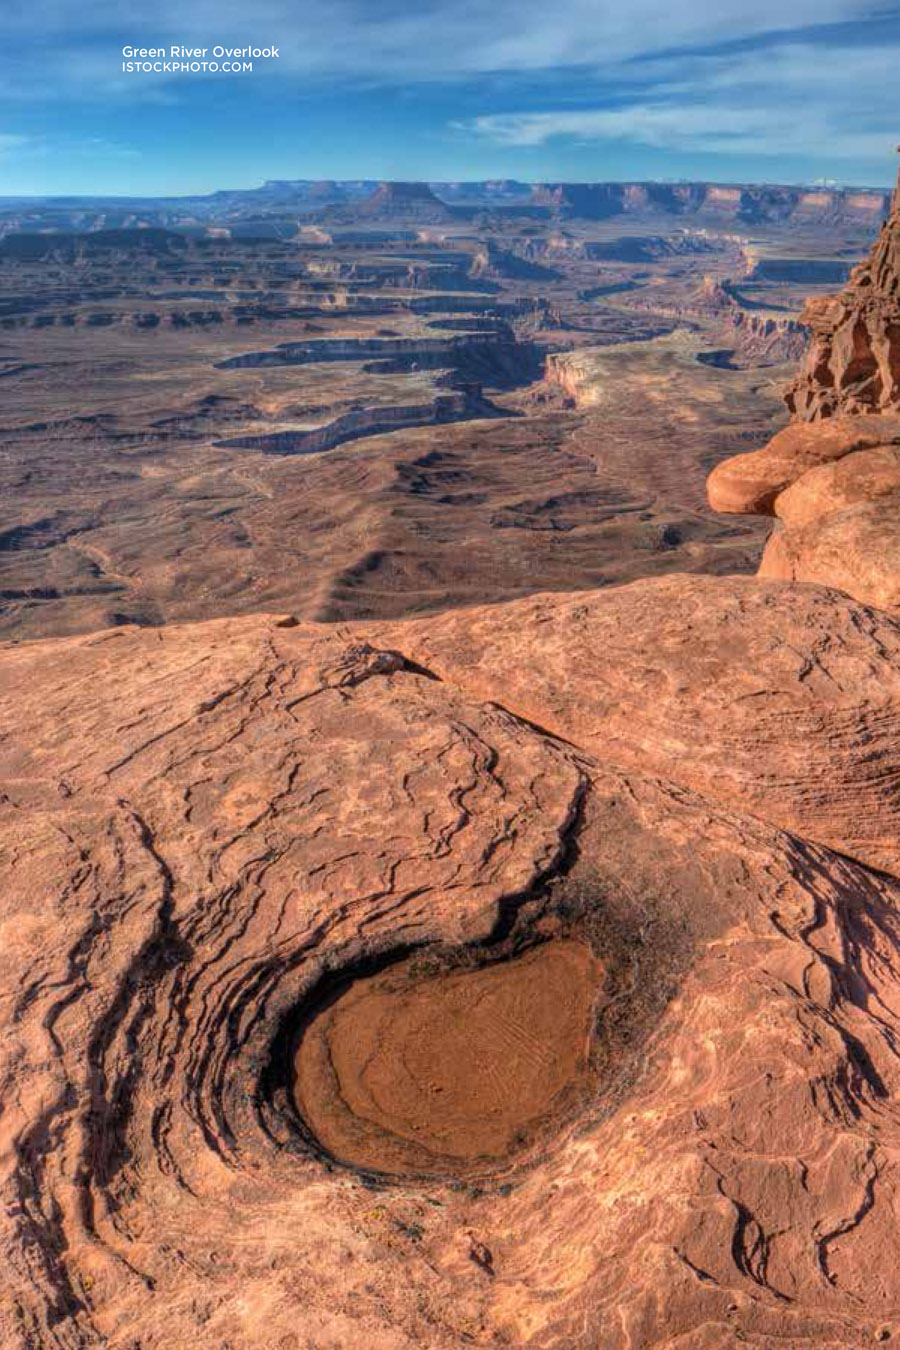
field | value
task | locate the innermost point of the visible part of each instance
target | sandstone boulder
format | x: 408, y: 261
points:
x: 749, y: 484
x: 856, y: 549
x: 867, y: 476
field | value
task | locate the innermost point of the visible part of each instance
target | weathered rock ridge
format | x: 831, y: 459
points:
x: 853, y: 363
x: 455, y: 406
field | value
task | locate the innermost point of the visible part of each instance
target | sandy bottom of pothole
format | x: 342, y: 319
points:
x: 455, y: 1071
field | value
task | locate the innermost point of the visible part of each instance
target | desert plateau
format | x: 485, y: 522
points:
x: 450, y: 767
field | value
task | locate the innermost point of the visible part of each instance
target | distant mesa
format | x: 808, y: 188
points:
x: 714, y: 201
x: 396, y: 201
x: 301, y: 193
x: 711, y: 205
x: 500, y: 192
x: 594, y: 201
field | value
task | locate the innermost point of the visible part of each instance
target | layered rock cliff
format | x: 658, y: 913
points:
x: 832, y: 478
x: 747, y: 203
x: 853, y: 363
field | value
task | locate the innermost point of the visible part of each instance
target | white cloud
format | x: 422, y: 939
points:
x: 664, y: 73
x: 710, y: 128
x: 789, y: 99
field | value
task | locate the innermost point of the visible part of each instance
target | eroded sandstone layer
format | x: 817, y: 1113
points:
x: 853, y: 363
x: 204, y: 826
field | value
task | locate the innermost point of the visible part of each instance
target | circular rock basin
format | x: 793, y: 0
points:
x: 450, y: 1072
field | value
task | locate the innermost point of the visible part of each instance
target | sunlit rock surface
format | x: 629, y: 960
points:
x: 206, y: 826
x: 853, y: 364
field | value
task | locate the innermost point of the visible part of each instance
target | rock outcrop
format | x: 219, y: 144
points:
x: 832, y: 477
x: 834, y: 490
x: 853, y: 364
x: 751, y: 484
x: 491, y: 262
x: 211, y: 832
x: 755, y: 336
x: 854, y: 548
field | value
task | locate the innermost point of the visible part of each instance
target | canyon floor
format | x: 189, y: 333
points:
x: 451, y: 869
x: 392, y: 422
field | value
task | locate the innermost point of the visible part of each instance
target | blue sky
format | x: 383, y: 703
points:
x: 780, y: 90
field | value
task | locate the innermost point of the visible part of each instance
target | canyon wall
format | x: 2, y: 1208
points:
x: 853, y: 362
x: 832, y: 478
